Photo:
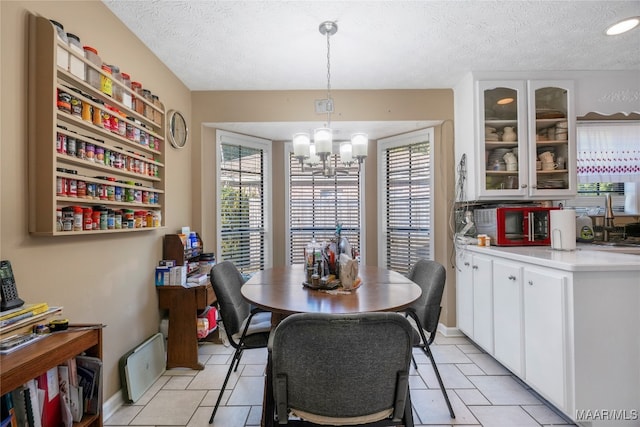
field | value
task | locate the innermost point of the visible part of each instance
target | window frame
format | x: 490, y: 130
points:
x: 288, y: 150
x: 409, y: 138
x: 230, y: 138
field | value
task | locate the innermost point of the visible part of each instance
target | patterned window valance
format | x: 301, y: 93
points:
x: 608, y: 152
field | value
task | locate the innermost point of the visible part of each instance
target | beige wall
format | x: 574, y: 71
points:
x: 293, y: 106
x: 109, y: 278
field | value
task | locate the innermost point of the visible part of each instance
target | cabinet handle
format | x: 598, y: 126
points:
x: 512, y: 277
x: 533, y: 186
x: 530, y: 282
x: 475, y: 267
x: 466, y: 264
x: 523, y: 186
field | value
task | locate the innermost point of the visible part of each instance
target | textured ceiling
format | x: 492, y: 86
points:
x: 276, y: 45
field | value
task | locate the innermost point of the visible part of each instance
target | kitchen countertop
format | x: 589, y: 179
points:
x: 584, y: 258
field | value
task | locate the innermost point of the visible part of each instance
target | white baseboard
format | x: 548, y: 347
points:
x: 448, y: 331
x: 109, y: 407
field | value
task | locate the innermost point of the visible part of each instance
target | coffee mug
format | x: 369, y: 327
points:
x: 549, y: 166
x: 538, y: 164
x: 547, y: 156
x: 512, y: 167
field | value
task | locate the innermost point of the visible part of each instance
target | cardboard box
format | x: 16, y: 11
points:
x: 178, y: 275
x: 163, y: 276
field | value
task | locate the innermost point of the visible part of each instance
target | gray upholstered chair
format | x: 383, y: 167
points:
x: 341, y: 369
x: 431, y: 277
x: 246, y: 328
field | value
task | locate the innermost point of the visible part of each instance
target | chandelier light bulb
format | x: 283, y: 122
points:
x: 323, y: 140
x: 346, y: 152
x: 313, y: 158
x: 359, y: 142
x: 301, y: 143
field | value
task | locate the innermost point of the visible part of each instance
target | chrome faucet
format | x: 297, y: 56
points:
x: 608, y: 218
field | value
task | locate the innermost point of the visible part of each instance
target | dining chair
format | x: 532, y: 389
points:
x: 425, y: 311
x: 245, y: 327
x: 341, y: 369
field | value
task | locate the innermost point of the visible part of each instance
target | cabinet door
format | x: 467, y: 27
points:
x: 552, y: 138
x: 507, y: 314
x: 544, y: 326
x: 502, y: 154
x: 464, y: 293
x: 482, y: 302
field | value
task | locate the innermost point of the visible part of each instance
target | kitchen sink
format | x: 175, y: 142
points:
x: 625, y: 247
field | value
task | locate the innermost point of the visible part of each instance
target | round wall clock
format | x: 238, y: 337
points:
x: 178, y: 130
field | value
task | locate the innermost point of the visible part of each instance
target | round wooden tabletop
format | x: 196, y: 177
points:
x: 280, y: 290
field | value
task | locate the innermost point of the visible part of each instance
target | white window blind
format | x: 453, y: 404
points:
x: 317, y: 204
x: 241, y: 206
x: 406, y: 179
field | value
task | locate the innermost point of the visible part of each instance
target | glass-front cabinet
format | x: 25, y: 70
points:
x: 525, y: 139
x: 503, y: 138
x: 552, y: 145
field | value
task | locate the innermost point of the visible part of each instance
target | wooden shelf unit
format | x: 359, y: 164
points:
x: 37, y: 358
x: 45, y: 119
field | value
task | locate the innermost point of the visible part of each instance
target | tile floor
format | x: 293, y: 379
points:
x: 482, y: 392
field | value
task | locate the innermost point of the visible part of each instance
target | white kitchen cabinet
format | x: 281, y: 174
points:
x: 569, y: 319
x: 464, y: 293
x: 544, y: 340
x: 474, y: 298
x: 502, y: 126
x: 482, y: 302
x: 507, y: 315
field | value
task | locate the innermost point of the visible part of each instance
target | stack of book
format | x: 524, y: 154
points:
x: 16, y: 326
x: 60, y: 396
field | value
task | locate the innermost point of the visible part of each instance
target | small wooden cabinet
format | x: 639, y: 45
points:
x: 62, y: 178
x: 183, y: 304
x: 37, y: 358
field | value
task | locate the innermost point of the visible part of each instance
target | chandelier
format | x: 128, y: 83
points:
x: 316, y: 153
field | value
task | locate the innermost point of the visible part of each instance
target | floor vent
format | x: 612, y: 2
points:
x: 141, y: 367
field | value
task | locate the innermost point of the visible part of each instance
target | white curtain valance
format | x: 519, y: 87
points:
x: 608, y: 152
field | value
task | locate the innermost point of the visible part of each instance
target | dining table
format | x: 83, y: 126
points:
x: 282, y: 291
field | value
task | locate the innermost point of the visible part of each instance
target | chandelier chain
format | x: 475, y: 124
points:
x: 329, y: 80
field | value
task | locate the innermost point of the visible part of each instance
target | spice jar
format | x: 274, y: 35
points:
x: 64, y: 101
x: 91, y: 73
x: 117, y: 88
x: 126, y: 94
x: 87, y: 214
x: 62, y: 56
x: 67, y: 218
x: 86, y: 112
x: 91, y: 152
x: 77, y: 218
x: 59, y: 219
x: 148, y: 109
x: 61, y: 143
x: 76, y: 66
x: 95, y: 218
x: 157, y: 115
x: 106, y: 84
x: 138, y: 103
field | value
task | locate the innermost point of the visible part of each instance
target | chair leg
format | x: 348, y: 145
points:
x: 236, y: 356
x: 427, y: 351
x: 415, y: 364
x: 408, y: 411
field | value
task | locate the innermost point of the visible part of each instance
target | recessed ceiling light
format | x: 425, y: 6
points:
x: 623, y: 26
